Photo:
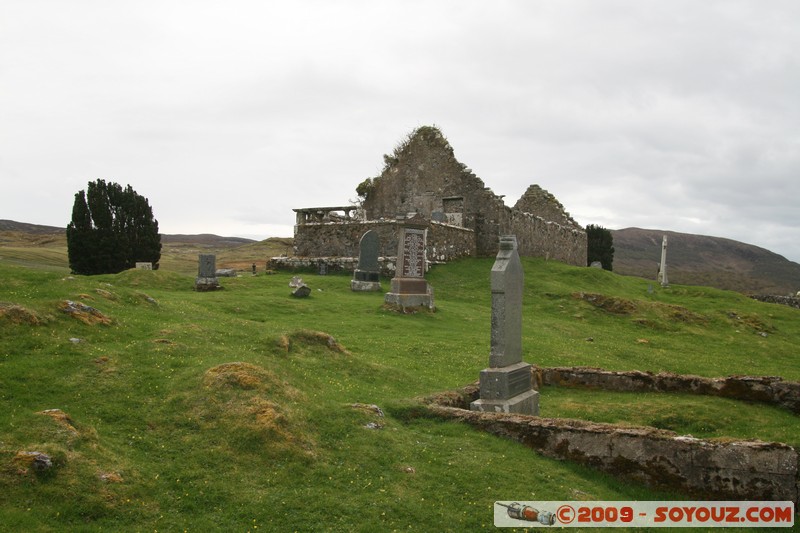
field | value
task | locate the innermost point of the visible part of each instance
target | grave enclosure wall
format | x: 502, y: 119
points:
x: 736, y: 470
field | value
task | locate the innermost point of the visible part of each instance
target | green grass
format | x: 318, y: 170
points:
x: 273, y: 442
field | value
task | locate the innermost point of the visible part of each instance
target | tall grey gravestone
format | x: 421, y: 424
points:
x: 409, y: 289
x: 206, y: 273
x: 662, y: 271
x: 506, y: 386
x: 366, y: 277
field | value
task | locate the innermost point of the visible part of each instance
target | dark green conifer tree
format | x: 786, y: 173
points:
x: 111, y: 229
x: 600, y: 246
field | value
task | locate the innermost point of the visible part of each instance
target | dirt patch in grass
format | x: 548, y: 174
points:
x: 63, y: 420
x: 611, y: 304
x: 238, y: 375
x: 653, y: 315
x: 17, y: 314
x: 751, y: 322
x: 255, y: 407
x: 85, y: 313
x: 304, y: 337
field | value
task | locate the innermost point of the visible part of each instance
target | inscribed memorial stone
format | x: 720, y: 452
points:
x: 506, y: 385
x: 409, y: 288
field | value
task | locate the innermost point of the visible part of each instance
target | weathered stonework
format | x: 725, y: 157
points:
x: 735, y: 470
x: 765, y: 389
x: 467, y: 218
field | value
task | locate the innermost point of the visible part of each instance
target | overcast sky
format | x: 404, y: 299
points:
x: 673, y: 115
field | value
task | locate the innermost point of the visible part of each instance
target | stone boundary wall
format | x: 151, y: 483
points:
x: 766, y: 389
x: 340, y: 239
x: 731, y: 470
x: 791, y: 301
x: 537, y: 237
x: 332, y: 264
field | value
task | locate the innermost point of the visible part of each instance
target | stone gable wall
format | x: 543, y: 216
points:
x: 423, y: 176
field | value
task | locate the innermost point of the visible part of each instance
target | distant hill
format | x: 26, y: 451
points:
x: 704, y: 260
x: 22, y: 227
x: 40, y: 246
x: 207, y: 239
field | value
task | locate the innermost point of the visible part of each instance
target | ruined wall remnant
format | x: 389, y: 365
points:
x: 541, y: 203
x: 335, y: 239
x: 423, y: 176
x: 765, y: 389
x: 707, y: 469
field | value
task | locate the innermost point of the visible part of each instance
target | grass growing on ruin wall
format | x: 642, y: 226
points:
x: 248, y: 408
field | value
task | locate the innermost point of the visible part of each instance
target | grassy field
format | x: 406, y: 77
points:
x: 246, y: 409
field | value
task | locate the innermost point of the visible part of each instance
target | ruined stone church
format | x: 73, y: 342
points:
x: 423, y: 177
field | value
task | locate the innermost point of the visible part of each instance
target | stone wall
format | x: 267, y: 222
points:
x: 340, y: 239
x: 538, y: 201
x: 386, y: 265
x: 538, y: 237
x: 423, y: 176
x: 766, y: 389
x: 735, y: 470
x: 336, y: 243
x: 791, y: 301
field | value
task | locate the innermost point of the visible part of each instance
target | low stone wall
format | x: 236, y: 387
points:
x: 766, y: 389
x: 736, y: 470
x: 791, y: 301
x: 331, y: 264
x: 341, y: 239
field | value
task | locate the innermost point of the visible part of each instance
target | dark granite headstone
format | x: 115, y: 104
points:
x: 366, y: 278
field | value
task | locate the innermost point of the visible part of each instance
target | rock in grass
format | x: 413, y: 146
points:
x: 38, y: 461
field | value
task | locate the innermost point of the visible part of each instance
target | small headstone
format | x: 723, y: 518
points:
x: 506, y: 385
x: 141, y: 265
x: 366, y: 277
x: 323, y: 268
x: 226, y: 272
x: 409, y: 289
x: 206, y: 273
x: 596, y: 264
x: 303, y: 291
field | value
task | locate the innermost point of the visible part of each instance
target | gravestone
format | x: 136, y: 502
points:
x: 142, y: 265
x: 409, y: 289
x: 206, y: 273
x: 301, y: 290
x: 506, y: 385
x: 662, y: 271
x: 366, y: 277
